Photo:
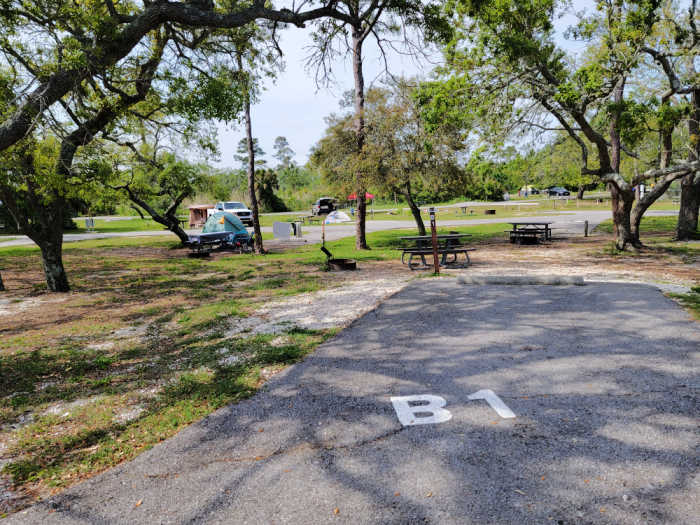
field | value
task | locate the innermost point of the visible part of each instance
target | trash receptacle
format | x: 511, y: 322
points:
x: 297, y: 229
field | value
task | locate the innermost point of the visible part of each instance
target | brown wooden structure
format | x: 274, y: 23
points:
x: 198, y: 214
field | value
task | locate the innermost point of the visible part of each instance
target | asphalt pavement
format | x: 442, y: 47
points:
x: 602, y: 380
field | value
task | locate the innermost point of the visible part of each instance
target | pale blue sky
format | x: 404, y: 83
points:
x: 294, y: 107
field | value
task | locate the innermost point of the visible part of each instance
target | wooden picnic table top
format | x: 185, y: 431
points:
x: 441, y: 236
x: 526, y: 223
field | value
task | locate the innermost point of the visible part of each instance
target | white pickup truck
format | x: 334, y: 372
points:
x: 237, y: 208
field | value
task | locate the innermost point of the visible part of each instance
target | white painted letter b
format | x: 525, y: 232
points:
x: 431, y: 405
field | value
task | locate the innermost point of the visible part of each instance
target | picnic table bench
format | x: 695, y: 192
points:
x: 448, y: 245
x: 528, y: 232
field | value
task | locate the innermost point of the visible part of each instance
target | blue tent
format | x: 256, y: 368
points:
x: 221, y: 229
x: 223, y: 221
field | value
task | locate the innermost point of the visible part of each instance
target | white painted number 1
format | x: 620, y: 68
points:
x: 496, y: 403
x: 427, y: 409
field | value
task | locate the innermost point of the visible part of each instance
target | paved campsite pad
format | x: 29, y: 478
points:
x: 603, y: 379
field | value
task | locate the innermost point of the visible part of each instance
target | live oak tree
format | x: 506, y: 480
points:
x: 96, y: 100
x: 38, y: 176
x: 398, y: 153
x: 73, y: 42
x: 507, y: 69
x: 160, y: 187
x: 407, y: 153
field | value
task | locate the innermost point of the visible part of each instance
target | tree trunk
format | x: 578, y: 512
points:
x: 173, y: 224
x: 687, y: 227
x: 622, y: 202
x: 2, y: 285
x: 642, y: 205
x: 415, y: 210
x: 360, y: 226
x: 622, y: 197
x: 56, y: 278
x: 168, y: 219
x: 46, y: 230
x: 257, y: 233
x: 584, y: 188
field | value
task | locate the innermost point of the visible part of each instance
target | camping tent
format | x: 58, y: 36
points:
x: 224, y: 221
x: 335, y: 217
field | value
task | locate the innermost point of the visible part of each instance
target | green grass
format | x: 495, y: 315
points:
x: 120, y: 225
x: 656, y: 233
x: 96, y: 441
x: 648, y: 225
x: 691, y: 301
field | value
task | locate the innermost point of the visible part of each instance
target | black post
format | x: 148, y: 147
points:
x: 433, y: 231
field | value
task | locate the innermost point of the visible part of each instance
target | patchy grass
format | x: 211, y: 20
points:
x: 691, y: 301
x: 648, y: 225
x: 656, y: 234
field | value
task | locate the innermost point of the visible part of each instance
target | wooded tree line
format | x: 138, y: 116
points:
x: 104, y: 95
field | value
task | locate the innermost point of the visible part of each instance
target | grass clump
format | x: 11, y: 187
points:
x: 690, y: 300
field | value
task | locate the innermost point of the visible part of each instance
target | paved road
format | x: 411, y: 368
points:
x: 603, y: 380
x: 567, y: 223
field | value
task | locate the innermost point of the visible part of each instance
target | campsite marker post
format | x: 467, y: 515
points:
x: 433, y: 231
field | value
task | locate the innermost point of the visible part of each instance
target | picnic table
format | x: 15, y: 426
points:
x: 530, y: 232
x: 310, y: 219
x: 450, y: 244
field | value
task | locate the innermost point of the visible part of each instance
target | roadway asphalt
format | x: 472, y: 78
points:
x: 602, y: 379
x: 566, y: 222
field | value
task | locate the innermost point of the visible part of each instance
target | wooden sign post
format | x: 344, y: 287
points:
x: 433, y: 232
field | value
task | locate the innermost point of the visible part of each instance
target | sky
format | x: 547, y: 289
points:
x: 294, y: 107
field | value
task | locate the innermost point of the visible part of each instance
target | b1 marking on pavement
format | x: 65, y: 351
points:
x: 433, y: 405
x: 408, y: 415
x: 496, y: 403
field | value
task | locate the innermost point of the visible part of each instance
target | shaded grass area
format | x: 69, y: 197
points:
x: 648, y: 224
x: 657, y: 236
x: 62, y: 446
x: 691, y: 301
x: 139, y: 349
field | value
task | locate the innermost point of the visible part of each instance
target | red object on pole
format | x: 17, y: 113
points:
x: 433, y: 232
x: 353, y: 196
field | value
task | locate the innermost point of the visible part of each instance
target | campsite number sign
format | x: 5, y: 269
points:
x: 427, y: 409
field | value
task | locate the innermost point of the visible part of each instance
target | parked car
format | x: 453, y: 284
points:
x: 239, y: 209
x: 528, y: 190
x: 558, y: 191
x: 323, y: 206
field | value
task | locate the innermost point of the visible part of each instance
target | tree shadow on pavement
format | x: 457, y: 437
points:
x: 601, y: 378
